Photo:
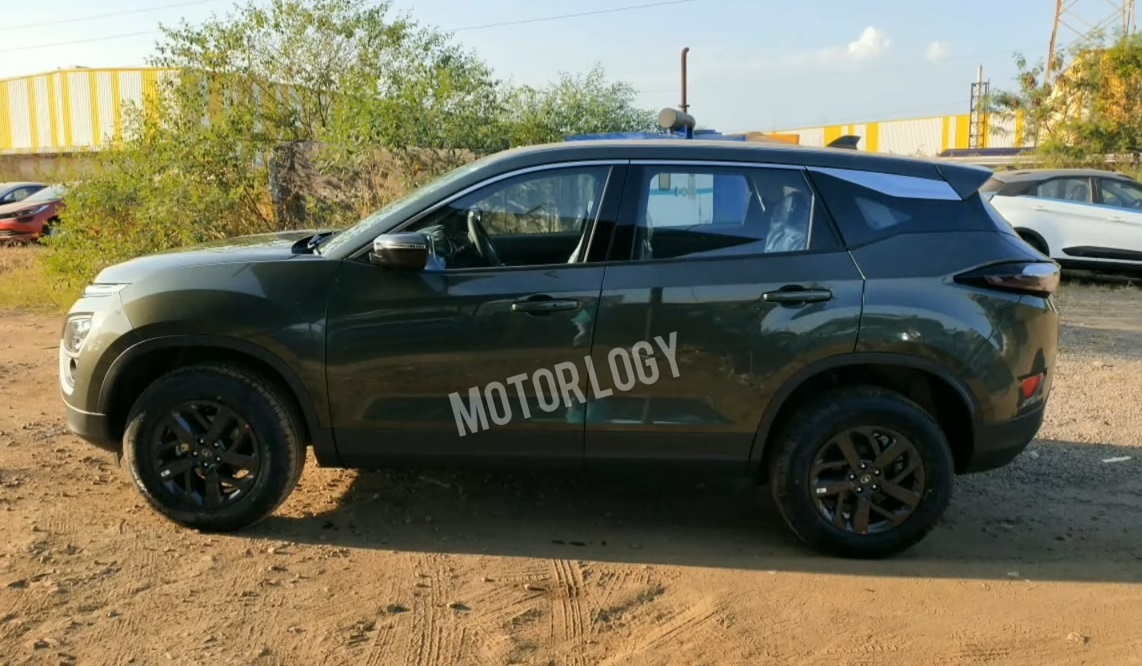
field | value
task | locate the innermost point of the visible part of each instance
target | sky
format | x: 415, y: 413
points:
x: 753, y: 64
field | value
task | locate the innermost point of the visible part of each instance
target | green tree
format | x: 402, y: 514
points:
x: 305, y: 113
x: 329, y: 81
x: 1087, y: 109
x: 587, y: 103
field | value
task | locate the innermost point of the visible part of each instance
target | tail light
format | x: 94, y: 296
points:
x: 1034, y: 278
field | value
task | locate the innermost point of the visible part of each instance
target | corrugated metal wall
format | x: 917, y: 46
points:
x: 82, y: 109
x: 69, y: 110
x: 918, y: 136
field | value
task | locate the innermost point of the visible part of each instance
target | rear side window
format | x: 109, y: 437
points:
x: 868, y: 205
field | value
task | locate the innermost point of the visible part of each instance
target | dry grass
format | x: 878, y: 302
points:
x: 25, y: 286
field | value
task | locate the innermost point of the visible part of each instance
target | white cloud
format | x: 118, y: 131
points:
x: 719, y: 66
x: 871, y: 44
x: 937, y: 51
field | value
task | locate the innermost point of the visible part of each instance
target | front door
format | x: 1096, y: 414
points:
x: 478, y: 356
x: 1122, y: 201
x: 726, y: 281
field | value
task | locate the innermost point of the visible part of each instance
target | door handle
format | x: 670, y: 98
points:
x: 544, y: 305
x: 797, y: 295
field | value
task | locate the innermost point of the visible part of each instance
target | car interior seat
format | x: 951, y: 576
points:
x: 1079, y: 192
x: 789, y: 225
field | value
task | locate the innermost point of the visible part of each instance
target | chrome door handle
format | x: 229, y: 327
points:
x: 796, y: 295
x: 543, y: 305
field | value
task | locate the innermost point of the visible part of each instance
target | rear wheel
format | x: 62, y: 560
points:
x: 862, y: 472
x: 213, y: 447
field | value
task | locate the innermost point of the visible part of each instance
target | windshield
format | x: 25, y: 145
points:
x: 399, y: 208
x: 46, y: 194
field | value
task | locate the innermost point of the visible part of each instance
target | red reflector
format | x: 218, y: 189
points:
x: 1031, y: 385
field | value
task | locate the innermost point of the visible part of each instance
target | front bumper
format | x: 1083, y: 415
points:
x: 25, y: 233
x: 997, y: 444
x: 92, y: 428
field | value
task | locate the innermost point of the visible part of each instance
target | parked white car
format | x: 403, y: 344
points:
x: 1081, y: 218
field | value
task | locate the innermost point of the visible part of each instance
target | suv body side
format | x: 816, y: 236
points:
x: 965, y: 347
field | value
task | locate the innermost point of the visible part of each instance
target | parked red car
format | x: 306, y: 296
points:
x: 31, y: 218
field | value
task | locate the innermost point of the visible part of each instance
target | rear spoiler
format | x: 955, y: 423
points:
x: 847, y: 142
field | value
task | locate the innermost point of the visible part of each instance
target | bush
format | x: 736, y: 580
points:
x: 27, y: 286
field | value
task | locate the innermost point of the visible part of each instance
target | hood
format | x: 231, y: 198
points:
x: 24, y: 205
x: 240, y: 250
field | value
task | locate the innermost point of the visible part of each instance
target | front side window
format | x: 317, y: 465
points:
x: 719, y: 211
x: 1065, y: 189
x: 1121, y: 194
x: 17, y: 195
x: 532, y: 219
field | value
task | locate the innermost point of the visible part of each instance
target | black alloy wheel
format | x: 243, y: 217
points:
x: 862, y: 471
x: 214, y: 447
x: 867, y: 480
x: 206, y: 454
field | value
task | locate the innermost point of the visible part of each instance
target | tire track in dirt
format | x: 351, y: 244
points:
x: 695, y: 621
x: 568, y: 624
x: 440, y: 638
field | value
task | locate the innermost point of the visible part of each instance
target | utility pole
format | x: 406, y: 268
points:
x: 978, y: 132
x: 1078, y: 20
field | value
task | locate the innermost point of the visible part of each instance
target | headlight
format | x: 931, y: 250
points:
x: 75, y: 333
x: 102, y: 289
x: 25, y: 213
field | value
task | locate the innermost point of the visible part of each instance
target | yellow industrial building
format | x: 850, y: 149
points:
x: 74, y: 110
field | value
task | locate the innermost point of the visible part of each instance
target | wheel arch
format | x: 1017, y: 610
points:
x: 1033, y: 237
x: 141, y: 364
x: 926, y: 382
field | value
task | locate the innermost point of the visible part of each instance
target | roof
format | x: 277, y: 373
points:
x: 965, y: 179
x: 1023, y: 175
x: 19, y: 183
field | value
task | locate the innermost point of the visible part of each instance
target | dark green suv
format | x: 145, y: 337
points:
x: 852, y: 329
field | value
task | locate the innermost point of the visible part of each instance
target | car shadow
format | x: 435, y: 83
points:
x: 1059, y: 512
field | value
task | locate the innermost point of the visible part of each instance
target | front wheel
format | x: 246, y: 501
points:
x: 213, y: 447
x: 862, y: 472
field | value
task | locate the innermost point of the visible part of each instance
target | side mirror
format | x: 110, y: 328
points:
x: 664, y: 181
x: 407, y: 251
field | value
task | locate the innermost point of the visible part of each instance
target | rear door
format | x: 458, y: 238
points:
x: 723, y: 281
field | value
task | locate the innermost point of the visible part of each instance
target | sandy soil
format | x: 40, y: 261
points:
x: 1038, y: 563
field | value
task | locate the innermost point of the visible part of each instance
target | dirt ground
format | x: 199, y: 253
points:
x: 1038, y: 563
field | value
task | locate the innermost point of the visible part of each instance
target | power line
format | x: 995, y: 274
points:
x: 93, y: 17
x: 81, y: 41
x: 817, y: 75
x: 539, y: 19
x: 597, y: 12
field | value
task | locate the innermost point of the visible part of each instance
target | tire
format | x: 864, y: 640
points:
x: 811, y: 432
x: 265, y: 433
